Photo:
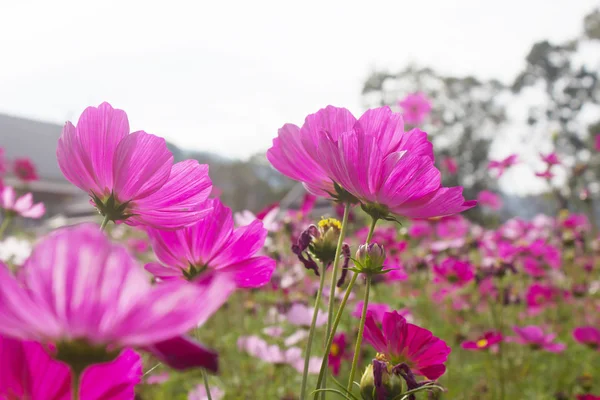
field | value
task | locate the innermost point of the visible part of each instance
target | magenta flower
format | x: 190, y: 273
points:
x: 587, y: 335
x: 587, y: 397
x: 550, y: 159
x: 503, y: 164
x: 25, y: 170
x: 28, y: 372
x: 415, y: 108
x: 484, y: 342
x: 131, y: 177
x: 22, y: 206
x: 454, y: 271
x: 420, y: 228
x: 213, y: 244
x: 403, y: 343
x: 535, y: 337
x: 489, y: 199
x: 450, y: 165
x: 377, y: 310
x: 547, y: 174
x: 82, y: 292
x: 539, y: 296
x: 371, y: 160
x: 597, y: 143
x: 338, y: 353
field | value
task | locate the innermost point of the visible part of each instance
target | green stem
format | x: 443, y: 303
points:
x: 5, y: 224
x: 312, y: 333
x: 336, y: 322
x: 371, y: 229
x: 104, y: 223
x: 361, y: 329
x: 75, y: 376
x: 206, y: 387
x: 334, y: 273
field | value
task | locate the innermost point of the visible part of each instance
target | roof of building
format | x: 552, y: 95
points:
x: 22, y: 137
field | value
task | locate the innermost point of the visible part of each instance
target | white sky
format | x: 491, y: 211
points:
x: 224, y: 76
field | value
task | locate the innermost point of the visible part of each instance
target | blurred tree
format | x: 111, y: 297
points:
x: 250, y: 184
x: 465, y: 117
x: 572, y: 89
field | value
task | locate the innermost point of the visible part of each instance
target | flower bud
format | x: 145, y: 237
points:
x: 324, y: 243
x: 378, y: 382
x: 370, y: 258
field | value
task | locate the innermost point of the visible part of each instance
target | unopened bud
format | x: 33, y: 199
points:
x: 378, y: 382
x: 370, y: 258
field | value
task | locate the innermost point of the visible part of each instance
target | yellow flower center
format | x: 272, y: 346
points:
x: 335, y: 350
x: 329, y: 223
x: 481, y: 343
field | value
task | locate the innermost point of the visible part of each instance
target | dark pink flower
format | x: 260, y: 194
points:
x: 489, y: 199
x: 547, y: 174
x: 587, y: 396
x: 338, y: 353
x: 597, y: 144
x: 419, y: 228
x: 503, y: 164
x: 452, y: 227
x: 400, y: 342
x: 79, y: 286
x: 588, y: 335
x: 539, y: 296
x: 371, y: 160
x: 415, y: 108
x: 22, y: 206
x: 450, y: 165
x: 535, y: 337
x: 25, y: 170
x: 484, y: 342
x: 213, y: 244
x: 550, y: 159
x: 29, y: 372
x: 131, y: 177
x: 454, y: 271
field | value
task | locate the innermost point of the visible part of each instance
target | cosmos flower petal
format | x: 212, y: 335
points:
x: 99, y: 131
x: 444, y: 201
x: 433, y: 371
x: 142, y: 165
x: 182, y: 353
x: 386, y: 125
x: 254, y: 272
x: 373, y: 334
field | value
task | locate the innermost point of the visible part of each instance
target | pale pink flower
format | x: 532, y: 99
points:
x: 489, y: 199
x: 22, y: 206
x: 535, y: 337
x: 131, y: 177
x: 78, y: 285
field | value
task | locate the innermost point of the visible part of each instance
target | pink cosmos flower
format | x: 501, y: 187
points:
x: 23, y: 206
x: 131, y: 177
x: 587, y: 396
x: 415, y: 107
x: 587, y: 335
x: 212, y: 244
x: 338, y: 353
x: 535, y: 337
x: 371, y: 160
x: 539, y: 296
x: 29, y: 372
x: 78, y: 287
x: 301, y: 315
x: 274, y: 354
x: 419, y: 228
x: 503, y: 164
x: 550, y: 159
x: 377, y: 310
x: 452, y: 227
x: 597, y: 144
x: 484, y: 342
x: 450, y: 165
x: 401, y: 342
x: 454, y: 271
x: 547, y: 174
x: 489, y: 199
x: 24, y: 169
